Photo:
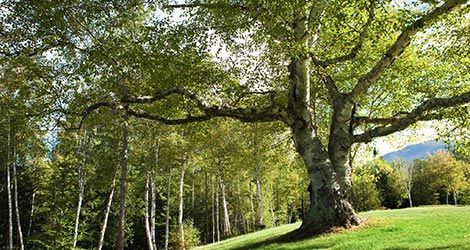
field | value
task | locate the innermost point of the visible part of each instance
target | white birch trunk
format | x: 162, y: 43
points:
x: 81, y: 189
x: 153, y: 210
x: 181, y: 202
x: 108, y: 209
x: 10, y: 206
x: 147, y: 216
x: 252, y: 206
x: 123, y: 188
x: 167, y: 215
x: 213, y: 210
x: 217, y: 213
x: 17, y: 209
x: 31, y: 213
x: 227, y: 228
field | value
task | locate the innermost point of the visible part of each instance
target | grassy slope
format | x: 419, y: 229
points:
x: 441, y: 227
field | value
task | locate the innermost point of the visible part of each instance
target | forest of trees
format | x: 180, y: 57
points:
x: 157, y: 124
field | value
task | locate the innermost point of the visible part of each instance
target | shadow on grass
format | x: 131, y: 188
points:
x: 293, y: 236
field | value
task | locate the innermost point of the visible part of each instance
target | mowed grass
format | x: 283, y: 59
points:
x: 431, y: 227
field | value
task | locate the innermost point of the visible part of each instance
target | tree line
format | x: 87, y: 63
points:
x: 438, y: 179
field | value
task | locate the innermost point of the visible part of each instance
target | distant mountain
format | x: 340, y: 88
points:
x: 416, y: 151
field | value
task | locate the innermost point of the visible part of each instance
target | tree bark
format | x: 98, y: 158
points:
x: 153, y: 191
x: 153, y: 210
x: 147, y: 216
x: 271, y: 209
x: 31, y: 213
x: 206, y: 209
x: 123, y: 188
x: 17, y: 209
x: 328, y: 169
x: 252, y: 206
x: 181, y: 203
x: 108, y: 209
x: 81, y: 188
x: 167, y: 214
x: 10, y: 206
x: 259, y: 201
x: 447, y: 196
x: 217, y: 206
x: 455, y: 198
x: 227, y: 227
x: 213, y: 210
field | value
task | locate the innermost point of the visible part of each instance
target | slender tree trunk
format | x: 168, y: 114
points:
x: 227, y: 227
x: 253, y: 216
x: 241, y: 218
x: 192, y: 195
x: 31, y: 213
x: 259, y: 201
x: 10, y: 206
x: 81, y: 189
x: 17, y: 209
x: 271, y: 209
x: 213, y: 210
x: 206, y: 209
x: 108, y: 209
x: 123, y: 188
x: 147, y: 217
x: 447, y: 196
x: 217, y: 206
x: 181, y: 202
x: 455, y: 198
x: 409, y: 198
x: 153, y: 210
x: 167, y: 215
x: 153, y: 191
x: 289, y: 214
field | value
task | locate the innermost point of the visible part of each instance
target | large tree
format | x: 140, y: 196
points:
x: 334, y: 72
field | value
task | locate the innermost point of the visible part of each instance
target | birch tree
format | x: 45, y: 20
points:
x: 334, y: 73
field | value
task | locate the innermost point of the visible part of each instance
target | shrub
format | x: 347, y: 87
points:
x: 191, y: 236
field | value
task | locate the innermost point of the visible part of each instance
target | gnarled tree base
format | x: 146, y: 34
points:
x: 328, y: 211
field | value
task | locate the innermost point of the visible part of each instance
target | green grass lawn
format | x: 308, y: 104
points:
x: 436, y: 227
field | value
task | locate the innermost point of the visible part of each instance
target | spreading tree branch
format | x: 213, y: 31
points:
x: 206, y: 5
x: 273, y: 112
x: 420, y: 113
x: 360, y: 41
x: 399, y: 46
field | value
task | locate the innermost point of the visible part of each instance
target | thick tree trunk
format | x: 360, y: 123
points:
x: 167, y: 212
x: 17, y: 209
x: 147, y: 216
x: 227, y: 227
x: 10, y: 205
x: 329, y: 171
x: 123, y: 188
x: 106, y: 214
x: 181, y: 202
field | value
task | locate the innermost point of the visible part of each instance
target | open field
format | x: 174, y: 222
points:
x: 436, y: 227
